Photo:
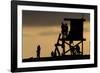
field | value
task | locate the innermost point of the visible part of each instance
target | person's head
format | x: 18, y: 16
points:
x: 62, y: 23
x: 38, y: 45
x: 66, y: 24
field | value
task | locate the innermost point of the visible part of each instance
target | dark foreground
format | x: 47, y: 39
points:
x: 66, y: 57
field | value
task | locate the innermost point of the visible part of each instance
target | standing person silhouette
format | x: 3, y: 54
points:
x: 38, y: 51
x: 78, y: 49
x: 64, y: 29
x: 72, y: 48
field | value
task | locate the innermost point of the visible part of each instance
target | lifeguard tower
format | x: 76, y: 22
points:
x: 75, y: 34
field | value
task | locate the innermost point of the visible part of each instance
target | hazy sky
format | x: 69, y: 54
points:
x: 40, y: 18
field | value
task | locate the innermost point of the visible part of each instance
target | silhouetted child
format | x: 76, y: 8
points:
x: 38, y: 51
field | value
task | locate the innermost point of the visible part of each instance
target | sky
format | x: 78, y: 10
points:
x: 42, y: 28
x: 41, y: 18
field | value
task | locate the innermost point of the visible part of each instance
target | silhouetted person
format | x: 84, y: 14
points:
x: 78, y: 49
x: 64, y: 29
x: 52, y: 54
x: 72, y: 48
x: 38, y: 51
